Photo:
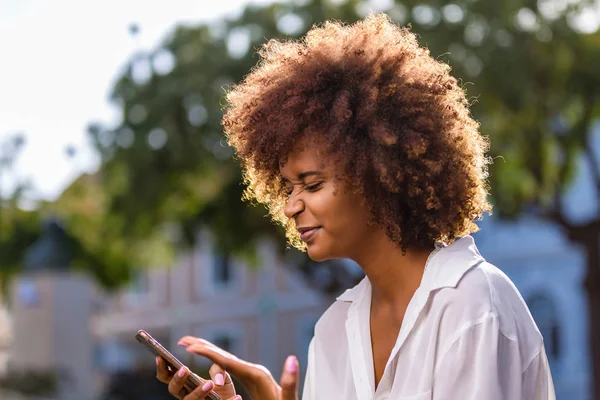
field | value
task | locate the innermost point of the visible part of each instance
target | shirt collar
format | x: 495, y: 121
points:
x: 356, y: 292
x: 448, y: 265
x: 445, y: 268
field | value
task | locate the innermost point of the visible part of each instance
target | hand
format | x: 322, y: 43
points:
x: 258, y: 381
x: 222, y: 385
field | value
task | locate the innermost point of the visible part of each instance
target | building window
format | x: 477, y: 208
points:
x: 113, y: 355
x: 28, y: 293
x: 138, y: 291
x: 222, y: 268
x: 216, y: 272
x: 141, y: 284
x: 223, y: 341
x: 544, y: 313
x: 227, y: 335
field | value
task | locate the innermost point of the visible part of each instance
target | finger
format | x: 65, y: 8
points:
x: 219, y: 376
x: 201, y: 392
x: 162, y: 372
x: 227, y: 361
x: 289, y: 379
x: 177, y: 384
x: 189, y: 340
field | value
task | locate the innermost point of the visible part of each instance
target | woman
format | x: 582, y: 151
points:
x: 362, y: 145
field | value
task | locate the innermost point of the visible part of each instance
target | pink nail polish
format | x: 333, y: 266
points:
x: 219, y: 379
x: 181, y: 372
x: 291, y: 365
x: 207, y: 386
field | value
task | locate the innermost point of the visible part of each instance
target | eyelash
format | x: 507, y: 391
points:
x: 314, y: 187
x: 311, y: 188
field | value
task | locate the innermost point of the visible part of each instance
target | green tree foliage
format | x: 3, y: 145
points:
x: 18, y: 228
x: 534, y: 90
x: 166, y: 168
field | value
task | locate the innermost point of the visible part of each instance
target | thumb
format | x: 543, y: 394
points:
x: 289, y: 379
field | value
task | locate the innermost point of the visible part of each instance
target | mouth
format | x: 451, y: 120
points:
x: 307, y: 234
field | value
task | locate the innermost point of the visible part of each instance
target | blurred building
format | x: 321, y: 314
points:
x: 261, y: 315
x: 64, y: 322
x: 549, y: 272
x: 51, y: 309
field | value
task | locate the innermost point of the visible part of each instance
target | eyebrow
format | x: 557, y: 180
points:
x: 304, y: 175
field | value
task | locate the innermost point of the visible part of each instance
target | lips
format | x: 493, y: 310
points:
x: 308, y: 233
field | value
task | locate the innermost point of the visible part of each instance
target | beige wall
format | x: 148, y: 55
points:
x: 52, y: 332
x: 33, y: 325
x: 5, y: 336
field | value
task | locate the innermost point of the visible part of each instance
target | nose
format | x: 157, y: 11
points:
x: 294, y: 206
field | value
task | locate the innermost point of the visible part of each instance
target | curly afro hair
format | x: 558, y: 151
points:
x: 390, y: 116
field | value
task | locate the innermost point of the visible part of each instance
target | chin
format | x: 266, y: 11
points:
x: 320, y: 253
x: 317, y: 255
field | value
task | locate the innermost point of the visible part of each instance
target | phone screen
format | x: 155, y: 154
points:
x: 174, y: 364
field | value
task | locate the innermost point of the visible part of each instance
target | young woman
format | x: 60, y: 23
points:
x: 362, y: 145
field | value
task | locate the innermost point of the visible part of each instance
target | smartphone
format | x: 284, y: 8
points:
x: 174, y: 364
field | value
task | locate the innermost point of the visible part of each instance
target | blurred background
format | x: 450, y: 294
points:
x: 120, y: 200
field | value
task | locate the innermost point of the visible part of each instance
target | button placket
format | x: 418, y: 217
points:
x: 359, y: 368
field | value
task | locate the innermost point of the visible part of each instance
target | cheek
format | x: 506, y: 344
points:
x: 353, y: 218
x: 342, y: 214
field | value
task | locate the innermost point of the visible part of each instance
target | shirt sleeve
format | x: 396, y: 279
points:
x: 482, y: 363
x: 309, y: 392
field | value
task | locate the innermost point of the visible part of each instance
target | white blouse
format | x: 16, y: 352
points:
x: 467, y: 334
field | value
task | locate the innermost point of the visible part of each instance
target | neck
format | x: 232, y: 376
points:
x: 394, y: 276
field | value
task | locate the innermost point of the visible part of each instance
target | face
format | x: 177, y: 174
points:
x: 330, y: 217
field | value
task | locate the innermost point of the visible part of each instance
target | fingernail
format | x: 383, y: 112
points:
x: 207, y: 386
x: 182, y: 372
x: 291, y: 365
x: 157, y: 362
x: 219, y: 379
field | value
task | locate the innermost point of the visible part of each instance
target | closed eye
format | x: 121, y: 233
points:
x: 314, y: 187
x: 311, y: 188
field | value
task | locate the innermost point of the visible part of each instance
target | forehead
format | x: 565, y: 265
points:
x: 308, y: 154
x: 308, y: 157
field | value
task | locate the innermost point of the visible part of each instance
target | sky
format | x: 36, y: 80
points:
x: 58, y: 62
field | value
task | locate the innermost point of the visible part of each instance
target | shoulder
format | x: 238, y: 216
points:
x: 484, y: 293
